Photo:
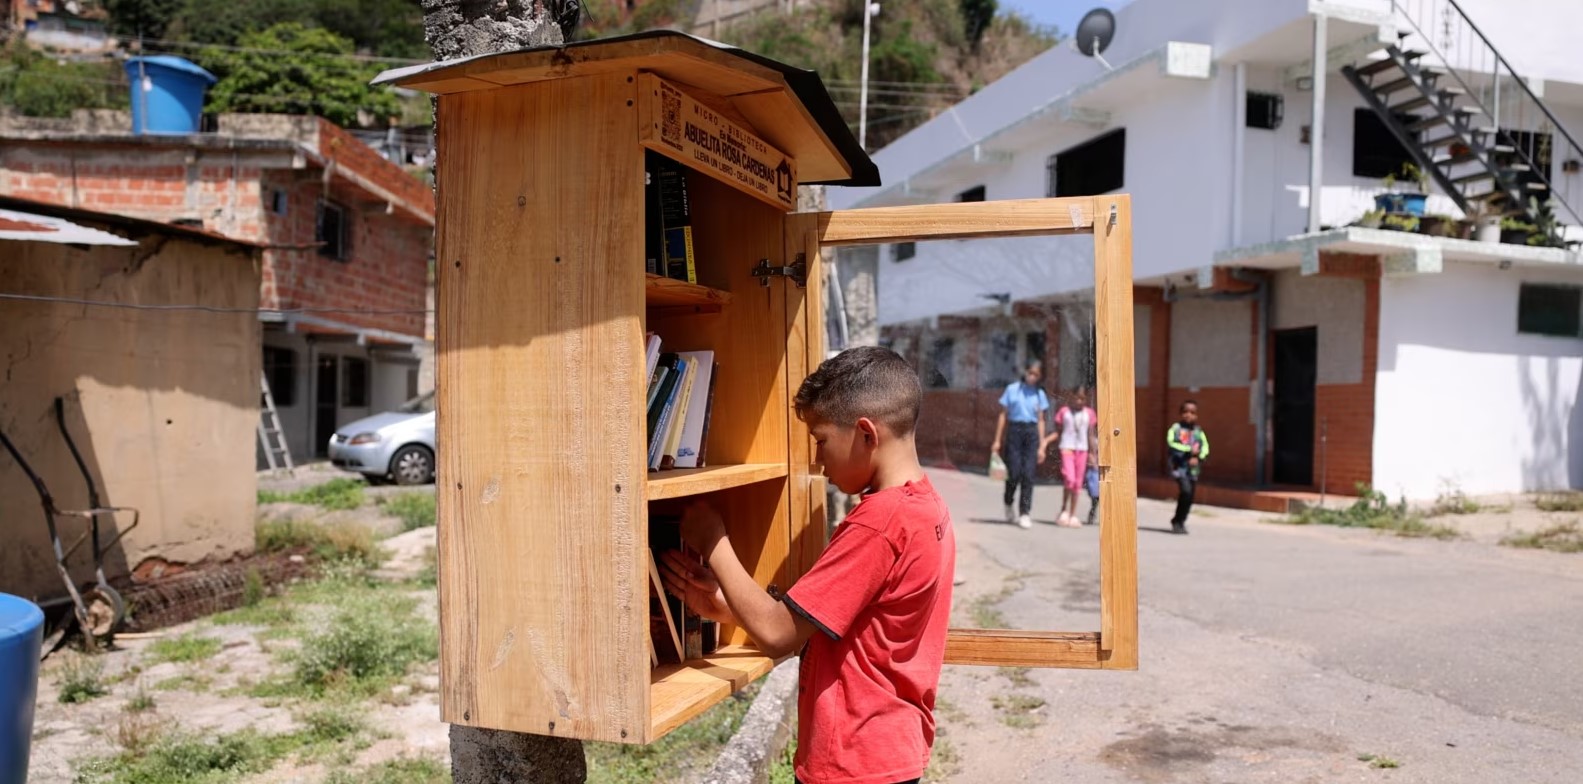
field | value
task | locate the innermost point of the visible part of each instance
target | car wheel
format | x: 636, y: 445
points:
x: 412, y: 465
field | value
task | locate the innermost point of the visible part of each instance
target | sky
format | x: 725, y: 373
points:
x: 1063, y: 14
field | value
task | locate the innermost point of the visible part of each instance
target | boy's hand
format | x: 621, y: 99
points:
x: 1193, y: 461
x: 1044, y: 451
x: 696, y: 585
x: 702, y: 528
x: 994, y: 448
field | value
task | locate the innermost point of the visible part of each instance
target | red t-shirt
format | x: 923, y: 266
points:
x: 881, y: 598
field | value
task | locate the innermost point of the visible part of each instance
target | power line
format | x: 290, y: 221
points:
x: 212, y: 308
x: 367, y: 58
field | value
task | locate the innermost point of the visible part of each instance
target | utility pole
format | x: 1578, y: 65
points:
x: 870, y: 10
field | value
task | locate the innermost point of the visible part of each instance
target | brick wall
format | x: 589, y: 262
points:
x: 1153, y: 407
x: 1348, y: 455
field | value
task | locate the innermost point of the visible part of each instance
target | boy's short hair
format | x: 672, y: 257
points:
x: 1185, y: 404
x: 867, y: 381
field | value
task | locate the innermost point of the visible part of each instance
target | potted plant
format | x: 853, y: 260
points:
x: 1515, y: 231
x: 1546, y: 229
x: 1408, y: 191
x: 1438, y: 225
x: 1485, y: 221
x: 1370, y: 219
x: 1400, y: 222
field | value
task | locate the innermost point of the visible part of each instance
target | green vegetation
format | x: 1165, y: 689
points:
x: 781, y: 769
x: 1570, y: 501
x: 421, y: 770
x: 347, y: 542
x: 314, y: 76
x: 1561, y: 538
x: 188, y: 647
x: 1018, y: 710
x: 38, y: 85
x: 415, y: 510
x: 1452, y: 501
x: 679, y: 756
x: 336, y: 494
x: 1378, y: 762
x: 81, y: 679
x: 1374, y: 510
x: 140, y: 702
x: 1017, y: 676
x: 364, y: 648
x: 391, y: 28
x: 152, y: 757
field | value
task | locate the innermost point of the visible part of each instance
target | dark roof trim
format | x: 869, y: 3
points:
x: 805, y: 84
x: 136, y: 226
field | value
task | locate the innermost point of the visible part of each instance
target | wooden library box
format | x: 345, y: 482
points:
x: 552, y: 285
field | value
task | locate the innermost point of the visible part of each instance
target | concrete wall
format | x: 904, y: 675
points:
x: 1496, y: 409
x: 163, y: 405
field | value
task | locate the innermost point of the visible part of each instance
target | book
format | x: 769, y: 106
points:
x: 656, y: 407
x: 653, y: 224
x: 654, y: 384
x: 709, y: 412
x: 676, y: 217
x: 667, y: 413
x: 653, y: 355
x: 665, y: 533
x: 684, y: 398
x: 692, y: 430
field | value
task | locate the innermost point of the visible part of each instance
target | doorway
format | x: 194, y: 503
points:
x: 327, y: 392
x: 1296, y: 369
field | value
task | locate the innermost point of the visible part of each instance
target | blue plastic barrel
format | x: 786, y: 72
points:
x: 167, y: 93
x: 21, y: 634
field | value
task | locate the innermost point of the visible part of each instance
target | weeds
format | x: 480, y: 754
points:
x: 420, y: 770
x: 687, y: 751
x: 326, y: 542
x: 985, y: 608
x: 416, y: 510
x: 188, y: 647
x: 193, y: 683
x: 1374, y: 510
x: 1377, y: 761
x: 269, y: 613
x: 369, y: 643
x: 781, y: 769
x: 253, y: 590
x: 1452, y: 501
x: 1560, y: 502
x: 1018, y: 710
x: 138, y: 732
x: 336, y: 494
x: 1017, y: 676
x: 182, y: 759
x: 81, y: 679
x: 140, y: 702
x: 1561, y: 538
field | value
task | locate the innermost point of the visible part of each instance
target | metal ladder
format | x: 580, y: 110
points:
x: 269, y: 433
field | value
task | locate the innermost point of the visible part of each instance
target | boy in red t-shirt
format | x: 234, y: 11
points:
x: 871, y: 615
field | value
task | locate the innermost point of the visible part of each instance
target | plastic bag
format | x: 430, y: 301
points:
x: 997, y: 468
x: 1092, y: 481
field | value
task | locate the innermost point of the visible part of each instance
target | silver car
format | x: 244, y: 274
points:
x: 396, y: 445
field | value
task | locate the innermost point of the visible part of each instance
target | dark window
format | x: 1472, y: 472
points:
x: 903, y: 251
x: 1036, y: 347
x: 354, y: 386
x: 1265, y: 110
x: 998, y: 358
x: 280, y: 370
x: 1093, y: 167
x: 1050, y: 168
x: 277, y: 201
x: 1550, y: 310
x: 975, y: 193
x: 1375, y: 150
x: 942, y: 361
x: 332, y: 231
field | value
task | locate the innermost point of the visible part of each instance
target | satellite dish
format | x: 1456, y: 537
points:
x: 1095, y: 32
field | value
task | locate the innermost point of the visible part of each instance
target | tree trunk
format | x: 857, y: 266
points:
x: 465, y: 28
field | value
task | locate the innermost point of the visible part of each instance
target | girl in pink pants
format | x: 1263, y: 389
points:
x: 1075, y: 425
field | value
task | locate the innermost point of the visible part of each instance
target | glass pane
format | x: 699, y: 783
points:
x: 972, y: 316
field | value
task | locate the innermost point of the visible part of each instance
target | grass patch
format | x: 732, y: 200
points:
x: 1017, y: 676
x: 1373, y: 510
x: 340, y: 493
x: 985, y: 609
x: 419, y: 770
x: 341, y: 541
x: 81, y: 679
x: 416, y: 510
x: 1377, y: 761
x: 1018, y: 710
x: 944, y: 762
x: 140, y: 702
x: 1452, y: 501
x: 185, y: 759
x: 188, y: 682
x: 188, y: 647
x: 1560, y: 502
x: 271, y: 613
x: 1561, y: 538
x: 364, y: 647
x: 679, y: 756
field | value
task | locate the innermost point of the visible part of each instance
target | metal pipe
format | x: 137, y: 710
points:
x: 1239, y: 100
x: 1324, y: 454
x: 1316, y: 137
x: 869, y: 10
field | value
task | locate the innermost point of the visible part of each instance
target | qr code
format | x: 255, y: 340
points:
x: 671, y: 114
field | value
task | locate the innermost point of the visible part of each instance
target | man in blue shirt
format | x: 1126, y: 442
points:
x: 1023, y: 404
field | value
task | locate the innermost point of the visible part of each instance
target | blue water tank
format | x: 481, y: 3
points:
x: 21, y: 634
x: 167, y: 93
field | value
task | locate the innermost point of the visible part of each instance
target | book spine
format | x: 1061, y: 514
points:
x: 709, y: 410
x: 657, y: 439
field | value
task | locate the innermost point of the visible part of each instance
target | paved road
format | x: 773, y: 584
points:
x: 1272, y: 653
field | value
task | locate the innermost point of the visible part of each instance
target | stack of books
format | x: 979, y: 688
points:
x: 668, y: 232
x: 681, y: 398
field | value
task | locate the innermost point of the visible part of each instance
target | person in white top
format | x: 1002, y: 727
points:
x: 1075, y: 426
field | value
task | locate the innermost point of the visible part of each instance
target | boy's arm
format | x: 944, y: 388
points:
x: 1203, y: 445
x: 1000, y: 430
x: 1175, y: 443
x: 773, y: 626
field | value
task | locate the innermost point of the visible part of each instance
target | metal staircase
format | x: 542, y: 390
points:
x: 1467, y: 119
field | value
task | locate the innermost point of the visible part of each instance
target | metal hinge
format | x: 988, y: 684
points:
x: 798, y: 271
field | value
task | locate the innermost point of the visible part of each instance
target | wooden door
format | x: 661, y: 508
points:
x: 1109, y: 219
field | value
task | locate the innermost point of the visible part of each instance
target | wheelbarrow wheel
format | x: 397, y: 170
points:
x: 104, y: 610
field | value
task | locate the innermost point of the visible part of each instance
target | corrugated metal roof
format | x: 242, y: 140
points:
x: 29, y: 227
x: 54, y: 217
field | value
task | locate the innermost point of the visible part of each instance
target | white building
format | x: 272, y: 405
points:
x: 1391, y: 358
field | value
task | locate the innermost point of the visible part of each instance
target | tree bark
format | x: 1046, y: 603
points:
x: 465, y: 28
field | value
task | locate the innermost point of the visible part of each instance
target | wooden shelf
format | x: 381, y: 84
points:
x: 678, y: 692
x: 663, y: 292
x: 693, y: 481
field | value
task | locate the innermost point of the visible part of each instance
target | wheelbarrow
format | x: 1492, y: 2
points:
x: 99, y: 610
